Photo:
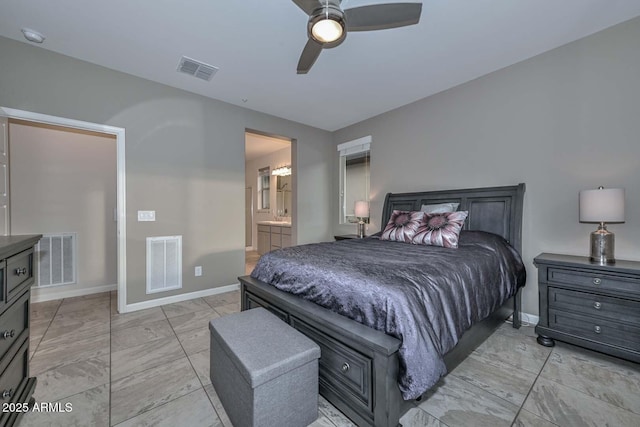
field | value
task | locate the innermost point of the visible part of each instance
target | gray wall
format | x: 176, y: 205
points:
x: 65, y: 181
x: 184, y: 159
x: 561, y: 122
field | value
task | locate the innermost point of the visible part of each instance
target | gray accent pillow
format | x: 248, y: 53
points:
x: 440, y: 208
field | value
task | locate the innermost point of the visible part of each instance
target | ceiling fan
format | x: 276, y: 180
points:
x: 328, y: 23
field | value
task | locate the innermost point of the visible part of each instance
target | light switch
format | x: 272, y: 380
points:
x: 198, y: 270
x: 146, y: 215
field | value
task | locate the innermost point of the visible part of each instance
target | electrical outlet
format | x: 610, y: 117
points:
x: 198, y: 270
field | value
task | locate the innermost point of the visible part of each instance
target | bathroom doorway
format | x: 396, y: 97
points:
x: 268, y: 194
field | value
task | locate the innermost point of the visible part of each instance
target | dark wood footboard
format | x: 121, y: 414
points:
x: 359, y: 365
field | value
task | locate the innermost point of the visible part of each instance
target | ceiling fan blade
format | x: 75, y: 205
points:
x: 382, y: 16
x: 308, y: 5
x: 309, y: 55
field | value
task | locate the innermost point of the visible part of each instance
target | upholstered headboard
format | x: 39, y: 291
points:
x: 494, y: 209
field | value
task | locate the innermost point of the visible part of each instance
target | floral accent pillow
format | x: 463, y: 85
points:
x: 440, y: 229
x: 402, y: 226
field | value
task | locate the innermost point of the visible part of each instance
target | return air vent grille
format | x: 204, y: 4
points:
x: 196, y: 68
x: 56, y: 259
x: 164, y: 263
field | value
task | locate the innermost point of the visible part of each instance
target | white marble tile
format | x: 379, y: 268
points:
x: 136, y: 318
x: 193, y: 409
x: 498, y: 378
x: 140, y: 392
x: 72, y: 378
x: 193, y: 320
x: 565, y: 406
x: 89, y: 408
x: 138, y: 335
x: 609, y: 379
x: 184, y: 307
x: 131, y: 360
x: 457, y: 402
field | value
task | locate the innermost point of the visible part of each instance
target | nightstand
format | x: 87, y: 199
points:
x: 590, y: 305
x: 346, y: 237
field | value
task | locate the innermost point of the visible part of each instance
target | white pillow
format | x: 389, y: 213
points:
x: 440, y: 208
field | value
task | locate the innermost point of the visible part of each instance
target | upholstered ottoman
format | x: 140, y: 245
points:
x: 264, y: 371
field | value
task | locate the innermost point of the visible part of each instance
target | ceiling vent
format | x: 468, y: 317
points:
x: 196, y: 68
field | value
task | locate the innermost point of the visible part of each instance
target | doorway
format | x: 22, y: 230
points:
x: 120, y: 214
x: 269, y: 172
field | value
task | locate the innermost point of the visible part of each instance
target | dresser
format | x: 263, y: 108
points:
x: 590, y: 305
x: 16, y: 278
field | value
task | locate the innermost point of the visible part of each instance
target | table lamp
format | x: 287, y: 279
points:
x: 602, y: 206
x: 361, y: 212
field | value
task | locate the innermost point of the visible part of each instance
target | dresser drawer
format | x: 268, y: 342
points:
x: 596, y: 329
x: 13, y: 324
x: 616, y: 309
x: 342, y: 369
x: 594, y: 281
x: 14, y: 377
x: 19, y: 272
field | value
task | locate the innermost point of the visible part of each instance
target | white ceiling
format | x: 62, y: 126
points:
x: 259, y: 145
x: 257, y: 43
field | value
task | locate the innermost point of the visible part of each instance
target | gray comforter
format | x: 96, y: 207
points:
x: 425, y: 296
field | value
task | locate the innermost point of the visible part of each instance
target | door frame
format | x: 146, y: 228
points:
x: 121, y: 198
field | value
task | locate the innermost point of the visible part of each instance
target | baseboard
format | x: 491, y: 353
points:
x: 526, y: 319
x: 53, y: 293
x: 182, y: 297
x: 531, y: 319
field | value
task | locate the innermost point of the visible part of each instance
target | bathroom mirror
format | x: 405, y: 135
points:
x: 283, y: 196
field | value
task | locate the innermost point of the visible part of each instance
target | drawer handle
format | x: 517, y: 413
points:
x: 20, y: 271
x: 345, y: 367
x: 597, y: 305
x: 597, y: 281
x: 9, y: 334
x: 7, y: 394
x: 597, y: 329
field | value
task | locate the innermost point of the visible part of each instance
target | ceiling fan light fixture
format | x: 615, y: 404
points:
x: 327, y: 25
x: 327, y: 30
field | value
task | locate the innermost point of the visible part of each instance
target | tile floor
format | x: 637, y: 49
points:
x: 151, y: 368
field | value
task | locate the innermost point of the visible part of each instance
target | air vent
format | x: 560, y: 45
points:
x: 196, y: 68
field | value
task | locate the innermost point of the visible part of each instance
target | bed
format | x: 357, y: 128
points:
x: 360, y: 366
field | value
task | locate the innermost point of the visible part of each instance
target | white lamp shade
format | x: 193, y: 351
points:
x: 362, y: 209
x: 602, y: 205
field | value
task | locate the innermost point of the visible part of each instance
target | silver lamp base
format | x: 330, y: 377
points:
x: 361, y: 225
x: 602, y: 246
